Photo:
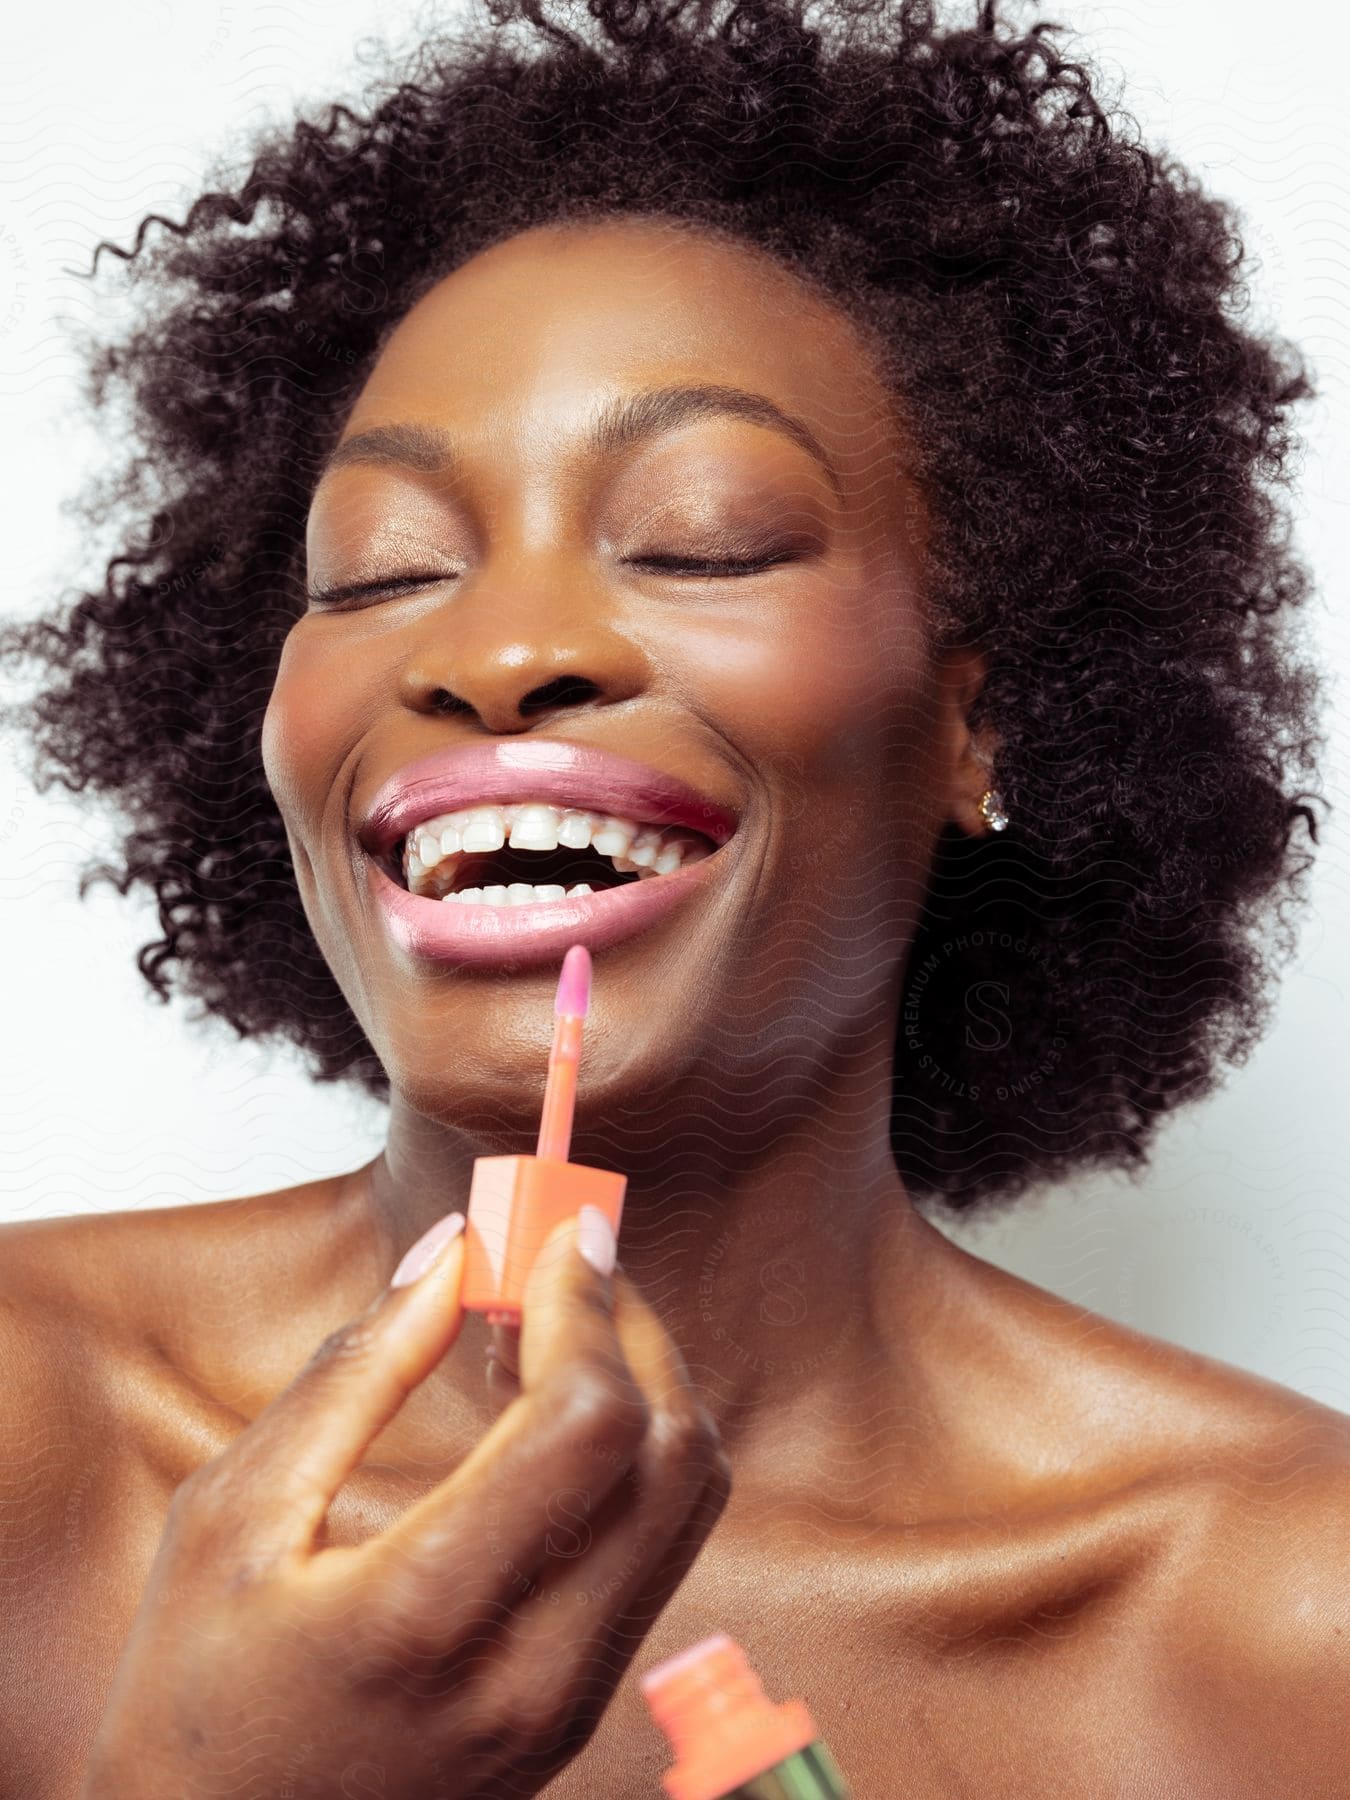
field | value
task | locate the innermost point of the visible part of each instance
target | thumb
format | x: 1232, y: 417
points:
x: 572, y: 1271
x: 569, y: 1299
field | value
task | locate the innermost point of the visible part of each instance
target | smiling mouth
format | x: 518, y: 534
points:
x: 516, y: 874
x: 503, y: 868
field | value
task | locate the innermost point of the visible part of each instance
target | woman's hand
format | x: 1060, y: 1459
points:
x: 470, y: 1649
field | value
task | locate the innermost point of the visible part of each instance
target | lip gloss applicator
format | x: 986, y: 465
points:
x: 515, y: 1201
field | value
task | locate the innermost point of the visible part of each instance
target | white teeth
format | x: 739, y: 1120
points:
x: 431, y: 848
x: 485, y: 830
x: 669, y: 860
x: 535, y: 828
x: 645, y: 848
x: 613, y: 836
x: 520, y: 893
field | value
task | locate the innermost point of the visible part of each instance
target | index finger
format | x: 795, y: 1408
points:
x: 284, y: 1469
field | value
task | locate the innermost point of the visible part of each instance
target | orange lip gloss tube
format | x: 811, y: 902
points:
x: 729, y: 1740
x: 515, y: 1201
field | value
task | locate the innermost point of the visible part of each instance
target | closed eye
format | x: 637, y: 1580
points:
x: 372, y: 590
x: 707, y: 568
x: 683, y: 565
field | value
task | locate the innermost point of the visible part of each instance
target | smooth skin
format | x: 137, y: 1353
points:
x: 374, y: 1655
x: 998, y: 1543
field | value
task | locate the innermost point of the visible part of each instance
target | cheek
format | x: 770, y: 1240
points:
x: 821, y: 687
x: 303, y: 728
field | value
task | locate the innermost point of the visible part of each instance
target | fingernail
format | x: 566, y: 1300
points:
x: 595, y: 1239
x: 428, y: 1247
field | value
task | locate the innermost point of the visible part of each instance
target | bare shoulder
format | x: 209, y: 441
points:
x: 1254, y: 1631
x: 1099, y: 1407
x: 58, y: 1287
x: 71, y: 1312
x: 1249, y: 1611
x: 97, y: 1426
x: 1244, y: 1487
x: 38, y: 1423
x: 125, y: 1301
x: 53, y: 1441
x: 131, y: 1343
x: 79, y: 1293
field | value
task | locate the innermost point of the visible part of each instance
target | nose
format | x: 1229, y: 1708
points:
x: 509, y: 658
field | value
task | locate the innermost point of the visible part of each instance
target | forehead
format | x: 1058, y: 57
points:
x: 547, y: 323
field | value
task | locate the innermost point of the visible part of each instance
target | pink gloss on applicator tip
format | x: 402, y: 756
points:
x: 560, y: 1092
x: 574, y: 984
x: 516, y: 1201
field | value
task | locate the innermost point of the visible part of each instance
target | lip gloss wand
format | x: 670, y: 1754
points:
x: 570, y: 1006
x: 515, y: 1201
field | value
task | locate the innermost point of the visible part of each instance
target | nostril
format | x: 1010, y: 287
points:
x: 564, y: 690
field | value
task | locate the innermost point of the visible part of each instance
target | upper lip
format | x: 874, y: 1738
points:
x: 578, y: 775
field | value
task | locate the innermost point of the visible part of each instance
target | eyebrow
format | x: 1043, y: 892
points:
x: 429, y: 450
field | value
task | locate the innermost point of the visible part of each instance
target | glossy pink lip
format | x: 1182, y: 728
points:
x: 478, y: 935
x: 579, y: 775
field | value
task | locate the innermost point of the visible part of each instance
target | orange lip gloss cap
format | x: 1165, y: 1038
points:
x: 514, y: 1203
x: 720, y: 1725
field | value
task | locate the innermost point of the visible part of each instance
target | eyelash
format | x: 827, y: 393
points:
x: 671, y: 565
x: 709, y: 566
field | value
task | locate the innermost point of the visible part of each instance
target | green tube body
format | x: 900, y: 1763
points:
x: 810, y: 1774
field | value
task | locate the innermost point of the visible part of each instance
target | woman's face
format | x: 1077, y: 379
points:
x: 803, y: 698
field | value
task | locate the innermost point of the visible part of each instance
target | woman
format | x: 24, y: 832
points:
x: 830, y: 444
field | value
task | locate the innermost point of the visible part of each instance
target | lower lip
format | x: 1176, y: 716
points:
x: 480, y: 935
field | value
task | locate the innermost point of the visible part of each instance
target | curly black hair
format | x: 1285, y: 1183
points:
x: 1099, y: 437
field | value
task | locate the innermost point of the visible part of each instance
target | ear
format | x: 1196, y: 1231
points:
x: 961, y: 675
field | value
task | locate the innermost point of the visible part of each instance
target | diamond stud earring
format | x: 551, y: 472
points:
x: 991, y: 810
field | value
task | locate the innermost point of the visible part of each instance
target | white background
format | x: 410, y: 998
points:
x: 1236, y: 1242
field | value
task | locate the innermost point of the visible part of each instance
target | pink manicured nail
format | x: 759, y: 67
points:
x: 595, y: 1239
x: 427, y: 1248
